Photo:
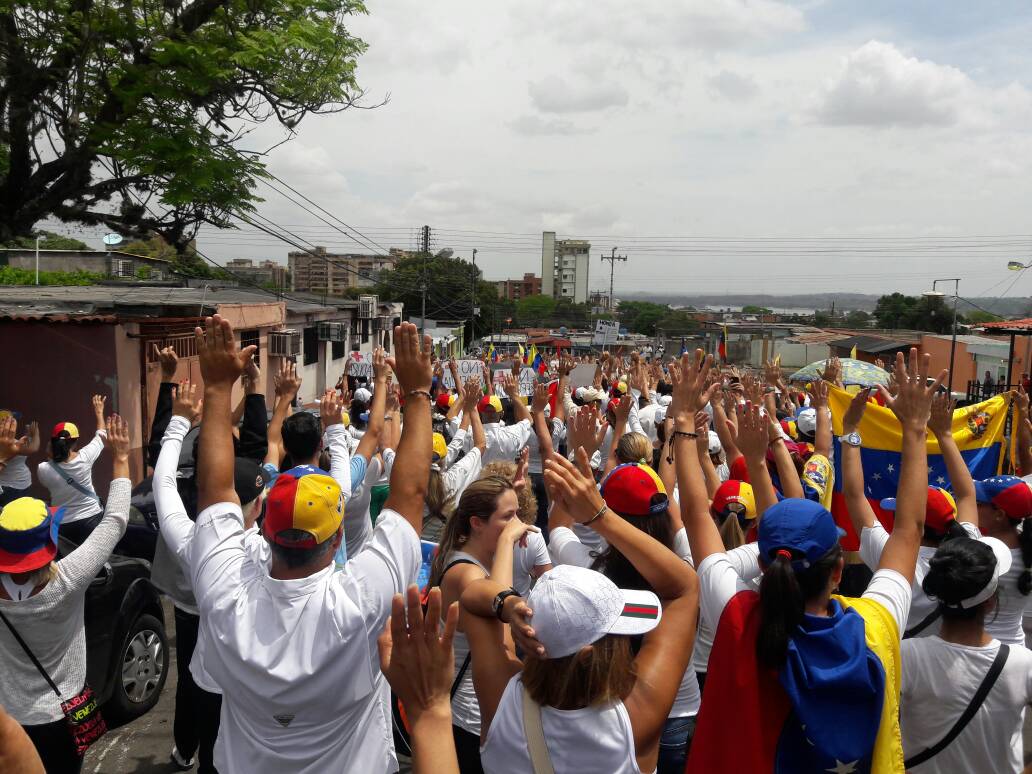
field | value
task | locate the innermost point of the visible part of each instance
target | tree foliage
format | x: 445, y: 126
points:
x: 535, y: 307
x: 920, y: 313
x: 133, y: 115
x: 10, y: 275
x: 48, y: 241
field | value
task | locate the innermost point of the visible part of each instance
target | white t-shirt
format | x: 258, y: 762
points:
x: 524, y: 560
x: 15, y: 474
x: 746, y: 563
x: 939, y: 680
x: 566, y: 547
x: 872, y: 543
x: 504, y: 443
x: 1005, y: 622
x: 582, y: 741
x: 463, y: 473
x: 719, y: 582
x: 77, y: 505
x: 357, y: 506
x: 297, y: 660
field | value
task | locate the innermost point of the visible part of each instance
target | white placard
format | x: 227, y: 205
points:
x: 582, y: 375
x: 468, y: 369
x: 606, y: 331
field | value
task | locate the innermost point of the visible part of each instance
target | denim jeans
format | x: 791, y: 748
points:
x: 674, y: 745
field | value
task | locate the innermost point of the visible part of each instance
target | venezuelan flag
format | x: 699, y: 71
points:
x: 531, y: 355
x: 978, y: 431
x: 492, y: 354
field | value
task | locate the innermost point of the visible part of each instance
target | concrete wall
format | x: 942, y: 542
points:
x: 963, y: 362
x: 70, y: 261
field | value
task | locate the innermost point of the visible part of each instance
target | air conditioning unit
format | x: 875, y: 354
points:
x: 285, y: 343
x: 333, y: 331
x: 366, y: 307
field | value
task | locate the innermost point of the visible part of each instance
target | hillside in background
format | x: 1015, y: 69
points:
x: 1005, y: 307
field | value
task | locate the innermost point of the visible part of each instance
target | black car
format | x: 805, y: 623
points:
x: 126, y: 645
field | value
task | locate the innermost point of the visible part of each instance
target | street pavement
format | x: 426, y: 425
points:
x: 143, y: 746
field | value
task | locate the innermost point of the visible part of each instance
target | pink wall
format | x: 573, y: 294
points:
x: 964, y: 363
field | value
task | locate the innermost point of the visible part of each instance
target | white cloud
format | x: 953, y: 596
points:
x: 732, y: 86
x: 878, y: 85
x: 534, y: 126
x: 558, y: 95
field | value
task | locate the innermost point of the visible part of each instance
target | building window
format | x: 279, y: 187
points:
x: 249, y: 337
x: 337, y: 350
x: 311, y: 346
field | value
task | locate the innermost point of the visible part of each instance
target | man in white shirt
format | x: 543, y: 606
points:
x: 504, y: 443
x: 294, y: 642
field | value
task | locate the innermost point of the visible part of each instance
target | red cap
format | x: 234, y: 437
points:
x: 631, y: 490
x: 734, y: 497
x: 490, y: 402
x: 739, y: 470
x: 444, y: 401
x: 940, y: 509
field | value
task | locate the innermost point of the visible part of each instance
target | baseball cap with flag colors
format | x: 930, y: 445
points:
x: 574, y: 607
x: 305, y: 499
x: 440, y: 446
x: 490, y: 402
x: 1008, y: 493
x: 633, y: 489
x: 735, y: 497
x: 28, y: 535
x: 65, y: 427
x: 939, y: 512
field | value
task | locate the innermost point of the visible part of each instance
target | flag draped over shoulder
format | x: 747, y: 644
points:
x: 722, y: 346
x: 978, y: 431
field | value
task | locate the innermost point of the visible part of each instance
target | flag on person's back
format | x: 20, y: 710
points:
x: 722, y: 346
x: 977, y: 430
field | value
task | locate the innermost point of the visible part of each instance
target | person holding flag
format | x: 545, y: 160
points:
x: 790, y: 716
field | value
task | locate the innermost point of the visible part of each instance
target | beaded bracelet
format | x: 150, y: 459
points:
x: 429, y: 397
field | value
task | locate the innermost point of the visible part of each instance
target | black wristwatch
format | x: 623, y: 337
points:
x: 499, y: 601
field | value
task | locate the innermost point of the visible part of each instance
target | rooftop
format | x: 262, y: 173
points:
x: 1006, y: 326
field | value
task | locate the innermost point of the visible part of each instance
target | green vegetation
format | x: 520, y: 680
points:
x: 12, y: 276
x: 49, y: 241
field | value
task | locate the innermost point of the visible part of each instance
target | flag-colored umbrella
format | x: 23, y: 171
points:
x: 855, y: 372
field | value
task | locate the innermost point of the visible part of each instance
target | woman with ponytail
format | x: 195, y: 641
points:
x: 1004, y: 507
x: 947, y: 515
x: 941, y: 674
x: 810, y: 677
x: 69, y: 476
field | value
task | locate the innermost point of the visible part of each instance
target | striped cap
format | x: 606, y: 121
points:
x: 574, y: 607
x: 28, y: 535
x: 303, y: 499
x: 734, y: 497
x: 65, y: 427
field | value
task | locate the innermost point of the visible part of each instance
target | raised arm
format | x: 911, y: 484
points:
x: 411, y: 472
x: 724, y: 426
x: 912, y: 406
x: 565, y: 366
x: 254, y: 425
x: 861, y: 514
x: 544, y: 437
x: 940, y: 422
x: 287, y: 383
x: 621, y: 413
x: 1024, y: 431
x: 377, y: 409
x: 175, y: 524
x: 519, y: 408
x: 98, y: 411
x: 752, y: 440
x: 709, y: 471
x: 819, y: 401
x: 221, y: 362
x: 791, y: 486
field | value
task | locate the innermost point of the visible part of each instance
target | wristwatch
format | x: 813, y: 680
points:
x: 499, y: 601
x: 851, y: 439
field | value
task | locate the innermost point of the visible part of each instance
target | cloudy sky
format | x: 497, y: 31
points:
x: 720, y: 144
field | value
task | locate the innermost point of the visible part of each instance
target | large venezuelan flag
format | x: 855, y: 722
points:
x: 978, y: 431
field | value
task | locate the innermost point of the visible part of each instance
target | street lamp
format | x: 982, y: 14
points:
x: 933, y: 293
x: 1018, y: 265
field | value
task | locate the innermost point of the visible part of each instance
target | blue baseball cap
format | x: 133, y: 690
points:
x: 1010, y: 494
x: 803, y: 527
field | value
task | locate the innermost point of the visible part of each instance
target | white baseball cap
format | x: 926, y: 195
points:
x: 1003, y: 564
x: 714, y: 443
x: 363, y: 395
x: 574, y: 607
x: 806, y: 422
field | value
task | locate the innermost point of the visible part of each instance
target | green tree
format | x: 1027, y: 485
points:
x: 978, y: 316
x: 12, y: 276
x: 858, y: 318
x: 925, y: 313
x: 753, y: 309
x: 48, y: 241
x: 107, y: 105
x: 642, y: 316
x: 535, y: 307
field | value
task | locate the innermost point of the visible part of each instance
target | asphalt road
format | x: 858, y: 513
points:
x: 143, y: 746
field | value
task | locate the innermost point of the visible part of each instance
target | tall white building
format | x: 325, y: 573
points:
x: 564, y: 267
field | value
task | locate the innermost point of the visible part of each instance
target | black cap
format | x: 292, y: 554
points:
x: 248, y: 479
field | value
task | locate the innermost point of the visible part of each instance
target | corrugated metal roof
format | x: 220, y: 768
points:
x: 1010, y: 325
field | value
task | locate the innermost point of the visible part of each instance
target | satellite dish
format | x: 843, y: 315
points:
x: 112, y: 239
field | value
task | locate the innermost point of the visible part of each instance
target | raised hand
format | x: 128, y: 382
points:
x: 819, y: 394
x: 582, y: 429
x: 222, y: 361
x: 622, y: 408
x: 471, y: 395
x: 511, y: 386
x: 186, y: 402
x: 98, y: 402
x: 329, y: 409
x: 1020, y: 400
x: 940, y: 421
x: 519, y: 479
x: 913, y: 402
x: 541, y: 398
x: 692, y: 387
x: 10, y: 444
x: 855, y: 412
x: 751, y: 437
x: 251, y: 371
x: 415, y: 656
x: 287, y: 381
x: 168, y: 360
x: 411, y: 361
x: 117, y: 439
x: 575, y: 485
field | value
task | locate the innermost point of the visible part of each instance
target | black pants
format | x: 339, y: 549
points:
x: 78, y: 531
x: 467, y: 748
x: 196, y: 723
x: 10, y: 495
x: 537, y: 483
x: 54, y: 744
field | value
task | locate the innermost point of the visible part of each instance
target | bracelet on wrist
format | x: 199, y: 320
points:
x: 426, y: 393
x: 597, y: 516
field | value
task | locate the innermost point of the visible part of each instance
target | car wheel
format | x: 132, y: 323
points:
x: 141, y: 669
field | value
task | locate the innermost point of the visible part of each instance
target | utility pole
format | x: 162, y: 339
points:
x: 422, y: 285
x: 474, y: 309
x: 37, y: 259
x: 612, y: 258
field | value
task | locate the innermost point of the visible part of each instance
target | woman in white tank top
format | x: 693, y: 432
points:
x: 601, y: 707
x: 479, y: 534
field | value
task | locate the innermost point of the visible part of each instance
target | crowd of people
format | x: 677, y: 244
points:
x: 641, y: 574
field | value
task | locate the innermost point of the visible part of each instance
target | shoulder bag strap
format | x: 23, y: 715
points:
x: 535, y: 733
x: 976, y: 701
x: 32, y: 657
x: 458, y: 678
x: 75, y: 484
x: 925, y: 622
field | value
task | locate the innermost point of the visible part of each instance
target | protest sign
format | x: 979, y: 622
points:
x: 468, y: 369
x: 582, y: 376
x: 606, y: 332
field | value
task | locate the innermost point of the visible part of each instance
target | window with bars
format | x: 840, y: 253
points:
x: 249, y: 337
